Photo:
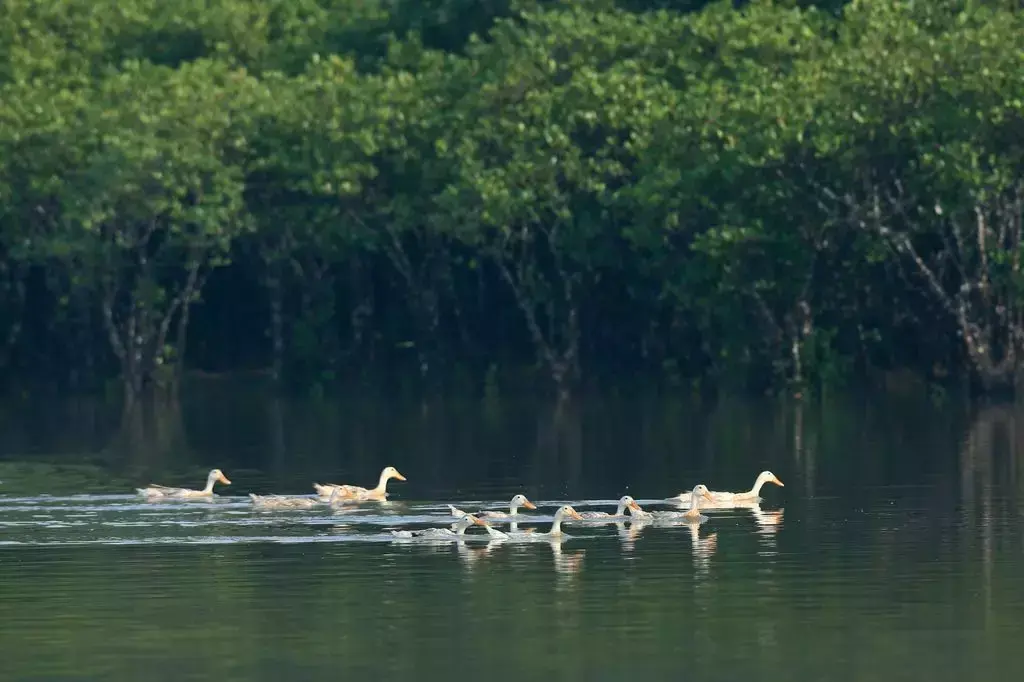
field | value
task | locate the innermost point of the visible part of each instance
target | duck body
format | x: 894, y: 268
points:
x: 284, y: 501
x: 692, y: 515
x: 639, y: 514
x: 720, y: 498
x: 457, y: 530
x: 625, y: 502
x: 158, y: 492
x: 355, y: 493
x: 555, y: 533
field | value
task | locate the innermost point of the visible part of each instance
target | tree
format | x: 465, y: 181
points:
x: 927, y: 137
x: 148, y: 202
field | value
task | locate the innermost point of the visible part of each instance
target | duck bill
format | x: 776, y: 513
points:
x: 399, y: 476
x: 529, y: 505
x: 575, y: 515
x: 479, y: 522
x: 634, y: 506
x: 707, y: 496
x: 778, y: 483
x: 223, y: 479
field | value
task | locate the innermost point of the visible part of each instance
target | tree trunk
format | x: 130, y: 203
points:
x: 139, y: 338
x: 361, y: 315
x: 422, y: 296
x: 559, y: 348
x: 799, y: 328
x: 317, y: 305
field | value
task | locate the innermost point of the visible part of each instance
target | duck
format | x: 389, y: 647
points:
x: 355, y: 492
x: 638, y: 515
x: 289, y: 502
x: 625, y: 502
x: 455, y: 532
x: 563, y: 512
x: 691, y: 515
x: 513, y: 509
x: 751, y: 495
x: 154, y: 491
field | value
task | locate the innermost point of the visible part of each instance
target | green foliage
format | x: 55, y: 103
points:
x: 765, y: 193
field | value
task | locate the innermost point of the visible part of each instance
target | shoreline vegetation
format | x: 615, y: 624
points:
x: 767, y: 197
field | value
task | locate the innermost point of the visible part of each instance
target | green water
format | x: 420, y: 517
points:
x: 895, y: 551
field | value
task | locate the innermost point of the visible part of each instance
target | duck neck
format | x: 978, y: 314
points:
x: 513, y: 509
x: 694, y: 503
x: 756, y: 490
x: 382, y: 484
x: 556, y: 525
x: 494, y: 533
x: 209, y: 483
x: 621, y: 509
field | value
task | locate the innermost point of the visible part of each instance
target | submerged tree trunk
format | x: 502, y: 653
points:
x: 559, y: 440
x: 152, y: 428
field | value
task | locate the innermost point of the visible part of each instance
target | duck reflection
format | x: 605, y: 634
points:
x: 470, y: 555
x: 702, y: 548
x: 567, y: 564
x: 769, y: 522
x: 630, y: 532
x: 768, y: 525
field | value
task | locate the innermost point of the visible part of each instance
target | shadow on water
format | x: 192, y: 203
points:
x: 898, y: 537
x: 603, y: 444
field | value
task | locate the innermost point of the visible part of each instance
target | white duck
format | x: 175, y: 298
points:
x: 555, y: 533
x: 358, y: 493
x: 289, y: 502
x: 691, y: 515
x: 726, y: 498
x: 457, y: 530
x: 513, y: 510
x: 156, y: 492
x: 625, y: 502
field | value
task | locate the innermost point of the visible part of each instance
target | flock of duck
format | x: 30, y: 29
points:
x: 335, y: 495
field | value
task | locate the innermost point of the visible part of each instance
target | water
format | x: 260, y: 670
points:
x: 894, y: 552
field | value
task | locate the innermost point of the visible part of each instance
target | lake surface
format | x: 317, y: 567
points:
x: 895, y: 551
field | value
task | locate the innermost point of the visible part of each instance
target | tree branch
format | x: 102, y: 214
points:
x: 113, y: 333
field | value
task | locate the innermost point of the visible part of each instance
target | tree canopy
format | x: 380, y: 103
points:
x: 742, y: 194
